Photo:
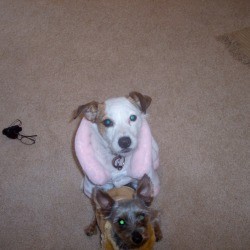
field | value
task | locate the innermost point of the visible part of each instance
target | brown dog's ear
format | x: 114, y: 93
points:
x: 143, y: 101
x: 104, y: 201
x: 89, y: 110
x: 145, y: 190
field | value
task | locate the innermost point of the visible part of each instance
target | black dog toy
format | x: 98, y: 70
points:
x: 13, y: 132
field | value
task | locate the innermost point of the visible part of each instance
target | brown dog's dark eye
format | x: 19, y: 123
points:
x: 141, y: 216
x: 107, y: 123
x: 121, y: 222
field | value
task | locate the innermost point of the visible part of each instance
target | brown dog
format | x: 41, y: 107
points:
x: 125, y: 218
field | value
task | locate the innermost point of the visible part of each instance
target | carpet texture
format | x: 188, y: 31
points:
x: 58, y: 54
x: 238, y: 44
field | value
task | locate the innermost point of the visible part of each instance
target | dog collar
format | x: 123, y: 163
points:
x: 118, y: 162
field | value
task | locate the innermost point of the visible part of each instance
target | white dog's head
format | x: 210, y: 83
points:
x: 118, y: 120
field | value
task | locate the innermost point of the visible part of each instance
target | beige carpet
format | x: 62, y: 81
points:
x: 56, y: 55
x: 238, y: 44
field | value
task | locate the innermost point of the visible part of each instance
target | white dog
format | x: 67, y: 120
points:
x: 114, y: 144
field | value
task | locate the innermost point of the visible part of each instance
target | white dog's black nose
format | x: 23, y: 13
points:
x: 124, y: 142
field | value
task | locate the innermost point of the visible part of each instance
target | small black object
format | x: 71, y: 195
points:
x: 13, y: 132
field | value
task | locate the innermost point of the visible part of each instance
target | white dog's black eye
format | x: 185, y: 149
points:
x: 133, y: 118
x: 107, y: 123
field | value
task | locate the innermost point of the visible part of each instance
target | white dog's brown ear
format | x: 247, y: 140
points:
x: 145, y: 190
x: 143, y: 101
x: 89, y: 110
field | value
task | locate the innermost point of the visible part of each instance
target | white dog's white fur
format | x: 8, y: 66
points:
x: 105, y: 140
x: 119, y: 110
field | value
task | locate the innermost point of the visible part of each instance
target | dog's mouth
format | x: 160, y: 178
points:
x: 125, y: 150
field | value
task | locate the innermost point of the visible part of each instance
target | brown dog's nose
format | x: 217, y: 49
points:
x: 124, y: 142
x: 137, y: 237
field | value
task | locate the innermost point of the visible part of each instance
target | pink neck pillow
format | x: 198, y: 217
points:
x: 141, y: 162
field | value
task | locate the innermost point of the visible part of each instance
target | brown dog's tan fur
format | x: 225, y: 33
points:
x: 113, y: 204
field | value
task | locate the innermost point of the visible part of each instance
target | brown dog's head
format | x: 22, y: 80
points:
x: 129, y: 218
